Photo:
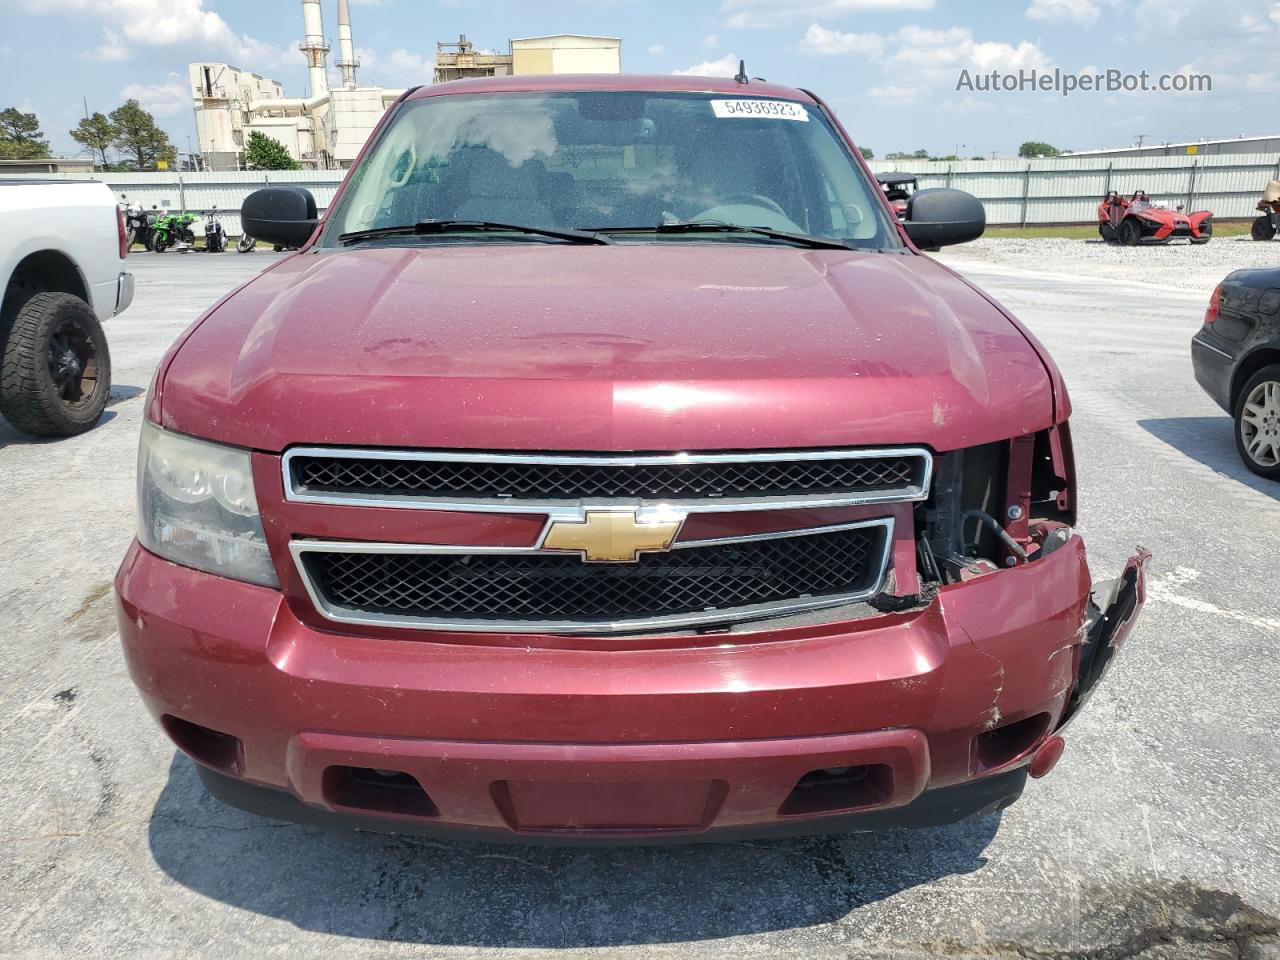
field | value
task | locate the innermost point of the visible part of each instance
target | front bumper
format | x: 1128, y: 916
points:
x: 124, y: 292
x: 937, y: 710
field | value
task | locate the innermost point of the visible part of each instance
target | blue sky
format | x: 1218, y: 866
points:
x: 889, y: 67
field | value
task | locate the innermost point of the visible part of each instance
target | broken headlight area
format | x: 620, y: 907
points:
x: 996, y: 505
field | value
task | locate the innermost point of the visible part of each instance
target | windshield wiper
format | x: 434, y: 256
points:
x: 426, y: 227
x: 716, y: 226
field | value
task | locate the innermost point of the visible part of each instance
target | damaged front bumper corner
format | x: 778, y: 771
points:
x: 1113, y: 610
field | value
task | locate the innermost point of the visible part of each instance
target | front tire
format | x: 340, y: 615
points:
x: 1206, y: 233
x: 245, y: 244
x: 1257, y: 419
x: 56, y: 372
x: 1262, y: 229
x: 1130, y: 233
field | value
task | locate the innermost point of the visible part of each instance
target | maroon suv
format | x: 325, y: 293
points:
x: 609, y: 463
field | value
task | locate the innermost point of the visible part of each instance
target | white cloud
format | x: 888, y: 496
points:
x: 918, y: 62
x: 773, y: 13
x: 128, y: 24
x: 1231, y: 49
x: 657, y: 50
x: 820, y: 41
x: 939, y: 55
x: 1083, y: 12
x: 894, y: 93
x: 161, y: 99
x: 112, y: 49
x: 399, y: 68
x: 726, y: 66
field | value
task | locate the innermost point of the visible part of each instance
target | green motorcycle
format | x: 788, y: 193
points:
x: 173, y: 230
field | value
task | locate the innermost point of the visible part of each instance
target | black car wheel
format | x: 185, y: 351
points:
x: 1130, y: 232
x: 1206, y: 233
x: 1258, y: 422
x: 1107, y: 232
x: 1262, y: 229
x: 57, y: 370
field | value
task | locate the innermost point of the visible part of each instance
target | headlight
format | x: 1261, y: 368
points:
x: 196, y: 507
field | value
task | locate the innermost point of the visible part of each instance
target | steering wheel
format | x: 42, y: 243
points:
x: 754, y: 200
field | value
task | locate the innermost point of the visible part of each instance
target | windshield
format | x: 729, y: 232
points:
x: 590, y: 161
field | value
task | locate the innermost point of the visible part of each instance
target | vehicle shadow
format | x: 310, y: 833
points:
x: 447, y: 893
x: 120, y: 393
x: 10, y: 437
x: 1211, y: 441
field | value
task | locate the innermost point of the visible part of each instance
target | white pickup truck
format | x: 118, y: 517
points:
x: 62, y: 267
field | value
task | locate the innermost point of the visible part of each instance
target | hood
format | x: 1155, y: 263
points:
x: 663, y: 346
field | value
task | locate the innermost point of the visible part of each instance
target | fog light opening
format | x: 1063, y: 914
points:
x: 382, y: 791
x: 215, y: 749
x: 1005, y: 744
x: 839, y: 788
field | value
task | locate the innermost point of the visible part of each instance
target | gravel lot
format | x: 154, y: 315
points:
x: 1178, y: 265
x: 1155, y: 838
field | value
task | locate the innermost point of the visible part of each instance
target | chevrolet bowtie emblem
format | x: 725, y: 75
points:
x: 612, y: 536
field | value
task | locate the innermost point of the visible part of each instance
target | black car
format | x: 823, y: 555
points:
x: 1236, y: 355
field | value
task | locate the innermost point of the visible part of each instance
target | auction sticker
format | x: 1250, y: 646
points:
x: 765, y: 109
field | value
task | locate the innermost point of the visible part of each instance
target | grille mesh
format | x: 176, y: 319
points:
x: 540, y: 587
x: 559, y: 481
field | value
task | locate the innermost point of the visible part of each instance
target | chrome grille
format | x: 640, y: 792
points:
x: 527, y: 482
x: 531, y: 590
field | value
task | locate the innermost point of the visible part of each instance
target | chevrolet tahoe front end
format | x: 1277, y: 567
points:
x: 738, y: 515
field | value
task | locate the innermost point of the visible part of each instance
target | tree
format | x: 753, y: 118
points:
x: 20, y: 136
x: 265, y: 153
x: 138, y: 136
x: 867, y: 153
x: 96, y: 133
x: 1034, y: 148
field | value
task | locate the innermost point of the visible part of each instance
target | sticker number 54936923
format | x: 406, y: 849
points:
x: 764, y: 109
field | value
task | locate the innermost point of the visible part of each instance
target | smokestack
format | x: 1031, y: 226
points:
x: 314, y: 48
x: 347, y: 62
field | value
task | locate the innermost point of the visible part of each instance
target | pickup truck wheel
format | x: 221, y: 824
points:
x: 56, y: 372
x: 1258, y: 423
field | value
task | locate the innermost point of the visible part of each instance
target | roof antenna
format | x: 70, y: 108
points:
x: 742, y: 72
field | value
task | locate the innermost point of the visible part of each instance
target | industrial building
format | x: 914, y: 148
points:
x: 561, y: 53
x: 327, y: 128
x: 1201, y: 148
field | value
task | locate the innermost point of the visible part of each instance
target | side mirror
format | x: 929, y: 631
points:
x: 286, y: 216
x: 938, y: 218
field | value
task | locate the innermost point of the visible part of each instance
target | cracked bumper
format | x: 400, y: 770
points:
x: 684, y: 738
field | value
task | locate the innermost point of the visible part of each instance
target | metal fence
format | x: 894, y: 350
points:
x: 1067, y: 190
x: 1062, y: 190
x: 204, y: 191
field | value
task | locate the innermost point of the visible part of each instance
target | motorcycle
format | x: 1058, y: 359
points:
x: 215, y: 238
x: 138, y: 223
x: 174, y: 230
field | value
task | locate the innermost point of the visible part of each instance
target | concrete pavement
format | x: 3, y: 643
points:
x: 1154, y: 838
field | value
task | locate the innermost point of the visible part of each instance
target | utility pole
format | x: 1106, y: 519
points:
x: 1140, y: 137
